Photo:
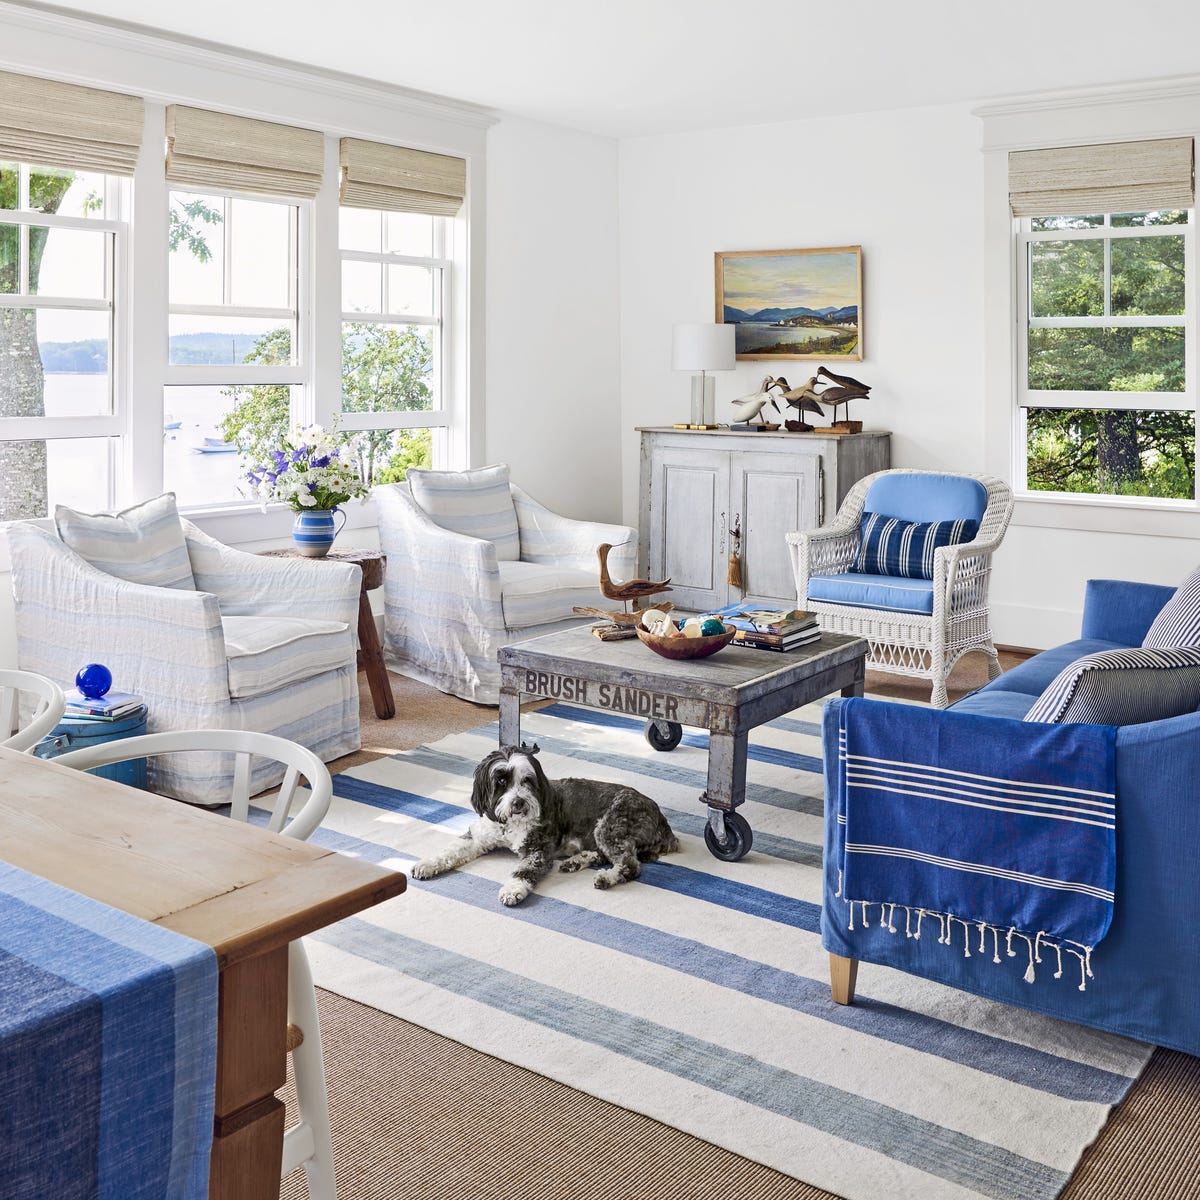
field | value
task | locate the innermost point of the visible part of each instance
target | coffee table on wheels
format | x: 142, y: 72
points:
x: 728, y: 693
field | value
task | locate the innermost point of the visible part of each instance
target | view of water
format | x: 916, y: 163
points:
x: 78, y: 466
x: 753, y: 335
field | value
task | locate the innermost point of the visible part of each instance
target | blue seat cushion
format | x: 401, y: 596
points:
x: 1035, y: 674
x: 992, y: 702
x: 923, y: 497
x: 888, y: 592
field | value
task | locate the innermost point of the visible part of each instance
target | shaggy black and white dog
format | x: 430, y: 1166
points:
x: 574, y: 822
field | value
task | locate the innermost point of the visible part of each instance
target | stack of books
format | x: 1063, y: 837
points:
x: 112, y: 706
x: 770, y: 629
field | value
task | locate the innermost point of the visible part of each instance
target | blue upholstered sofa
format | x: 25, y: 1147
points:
x: 1146, y: 981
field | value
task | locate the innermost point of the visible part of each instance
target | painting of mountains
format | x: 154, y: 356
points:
x: 792, y: 303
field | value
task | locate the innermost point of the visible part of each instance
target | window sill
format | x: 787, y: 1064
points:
x: 1146, y: 518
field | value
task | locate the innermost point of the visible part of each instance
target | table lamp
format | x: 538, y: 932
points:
x: 700, y: 348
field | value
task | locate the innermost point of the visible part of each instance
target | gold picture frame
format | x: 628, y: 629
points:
x: 792, y: 304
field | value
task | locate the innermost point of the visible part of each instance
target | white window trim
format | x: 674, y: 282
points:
x: 166, y: 69
x: 1065, y: 119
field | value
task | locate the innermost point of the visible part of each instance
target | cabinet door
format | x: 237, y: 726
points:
x: 689, y: 495
x: 774, y: 494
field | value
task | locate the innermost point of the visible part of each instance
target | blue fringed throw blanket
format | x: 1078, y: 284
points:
x: 989, y: 831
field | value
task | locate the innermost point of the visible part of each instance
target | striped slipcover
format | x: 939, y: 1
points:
x: 445, y: 602
x: 170, y: 645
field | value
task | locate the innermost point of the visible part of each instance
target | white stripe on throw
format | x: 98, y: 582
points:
x: 954, y: 864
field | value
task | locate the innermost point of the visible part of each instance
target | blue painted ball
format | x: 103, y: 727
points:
x: 93, y: 680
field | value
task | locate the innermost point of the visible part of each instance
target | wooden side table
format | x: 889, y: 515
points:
x: 370, y: 653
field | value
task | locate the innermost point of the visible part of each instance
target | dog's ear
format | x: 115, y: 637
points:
x: 530, y: 750
x: 481, y: 783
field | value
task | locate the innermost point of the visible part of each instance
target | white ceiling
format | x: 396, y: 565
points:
x: 625, y: 68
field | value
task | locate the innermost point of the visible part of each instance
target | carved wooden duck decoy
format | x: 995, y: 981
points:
x: 631, y: 589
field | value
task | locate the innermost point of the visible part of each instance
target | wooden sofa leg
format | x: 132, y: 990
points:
x: 843, y: 975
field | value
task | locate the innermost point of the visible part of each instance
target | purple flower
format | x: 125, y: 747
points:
x: 323, y: 461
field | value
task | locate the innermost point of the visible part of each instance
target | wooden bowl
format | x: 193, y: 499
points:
x: 686, y: 647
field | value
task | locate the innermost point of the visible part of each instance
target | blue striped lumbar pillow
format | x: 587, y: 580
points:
x: 1123, y: 687
x: 1178, y: 624
x: 890, y: 546
x: 477, y: 503
x: 143, y: 544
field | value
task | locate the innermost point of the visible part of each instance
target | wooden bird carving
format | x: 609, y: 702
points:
x: 746, y: 408
x: 803, y: 398
x: 631, y: 589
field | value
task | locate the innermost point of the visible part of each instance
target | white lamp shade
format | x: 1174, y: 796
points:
x: 703, y: 347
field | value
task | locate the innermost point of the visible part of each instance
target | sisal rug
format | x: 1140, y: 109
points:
x: 699, y: 995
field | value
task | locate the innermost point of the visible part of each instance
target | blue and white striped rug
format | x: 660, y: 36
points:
x: 699, y: 995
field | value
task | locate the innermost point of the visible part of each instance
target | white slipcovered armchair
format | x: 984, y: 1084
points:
x: 230, y: 641
x: 474, y: 563
x: 917, y: 624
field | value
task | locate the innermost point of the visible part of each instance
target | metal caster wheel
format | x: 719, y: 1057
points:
x: 664, y: 735
x: 738, y: 838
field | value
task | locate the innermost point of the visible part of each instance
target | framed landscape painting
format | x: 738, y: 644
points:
x: 792, y: 303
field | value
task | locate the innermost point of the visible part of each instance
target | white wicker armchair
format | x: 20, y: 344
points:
x: 923, y: 645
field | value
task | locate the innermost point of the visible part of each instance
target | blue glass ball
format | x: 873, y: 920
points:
x: 93, y: 680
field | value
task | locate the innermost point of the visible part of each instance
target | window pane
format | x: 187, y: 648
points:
x: 360, y: 229
x: 1178, y: 216
x: 35, y: 476
x: 1148, y: 276
x: 1107, y: 360
x: 260, y: 250
x: 225, y: 341
x: 48, y: 187
x: 197, y: 249
x: 387, y: 368
x: 1112, y: 453
x: 67, y: 193
x: 10, y: 261
x: 67, y: 262
x: 386, y: 454
x: 1042, y: 223
x: 1067, y: 278
x: 362, y: 287
x: 410, y: 290
x: 9, y: 184
x: 408, y: 233
x: 204, y: 428
x: 74, y: 349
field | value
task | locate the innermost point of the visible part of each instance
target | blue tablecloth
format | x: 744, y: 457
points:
x: 107, y: 1050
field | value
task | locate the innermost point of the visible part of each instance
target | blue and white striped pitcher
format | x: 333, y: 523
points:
x: 313, y: 531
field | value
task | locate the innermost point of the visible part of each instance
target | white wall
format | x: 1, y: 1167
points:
x: 906, y: 186
x: 551, y: 400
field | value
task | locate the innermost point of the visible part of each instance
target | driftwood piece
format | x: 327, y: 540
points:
x: 631, y: 619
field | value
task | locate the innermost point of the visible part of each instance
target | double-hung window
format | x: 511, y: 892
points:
x: 238, y: 342
x: 1105, y: 371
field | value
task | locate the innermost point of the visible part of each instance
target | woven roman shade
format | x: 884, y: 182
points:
x: 45, y: 122
x: 390, y: 177
x: 1116, y: 177
x: 216, y: 150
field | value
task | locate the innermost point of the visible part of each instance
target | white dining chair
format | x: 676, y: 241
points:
x: 309, y: 1142
x: 47, y: 712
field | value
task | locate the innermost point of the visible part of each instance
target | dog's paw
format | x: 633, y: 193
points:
x: 425, y: 869
x: 513, y: 893
x: 604, y: 880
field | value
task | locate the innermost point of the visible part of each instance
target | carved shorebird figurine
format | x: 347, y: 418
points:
x: 631, y: 589
x: 803, y: 398
x: 746, y: 408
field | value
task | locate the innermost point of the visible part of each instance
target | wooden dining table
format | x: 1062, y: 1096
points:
x: 245, y: 892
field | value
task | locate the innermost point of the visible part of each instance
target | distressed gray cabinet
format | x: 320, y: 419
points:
x: 696, y: 486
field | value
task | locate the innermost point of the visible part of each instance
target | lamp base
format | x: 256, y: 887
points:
x: 704, y: 402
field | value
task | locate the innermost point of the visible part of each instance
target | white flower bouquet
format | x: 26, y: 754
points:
x: 311, y: 468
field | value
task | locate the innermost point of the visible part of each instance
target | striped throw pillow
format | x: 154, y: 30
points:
x: 477, y: 503
x: 890, y: 546
x: 1178, y: 623
x: 142, y: 544
x: 1123, y: 687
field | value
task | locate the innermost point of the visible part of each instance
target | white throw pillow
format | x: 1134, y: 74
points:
x: 477, y: 503
x: 142, y: 544
x: 1123, y: 687
x: 1178, y: 622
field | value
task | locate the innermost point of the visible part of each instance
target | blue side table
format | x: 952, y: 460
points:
x: 76, y: 734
